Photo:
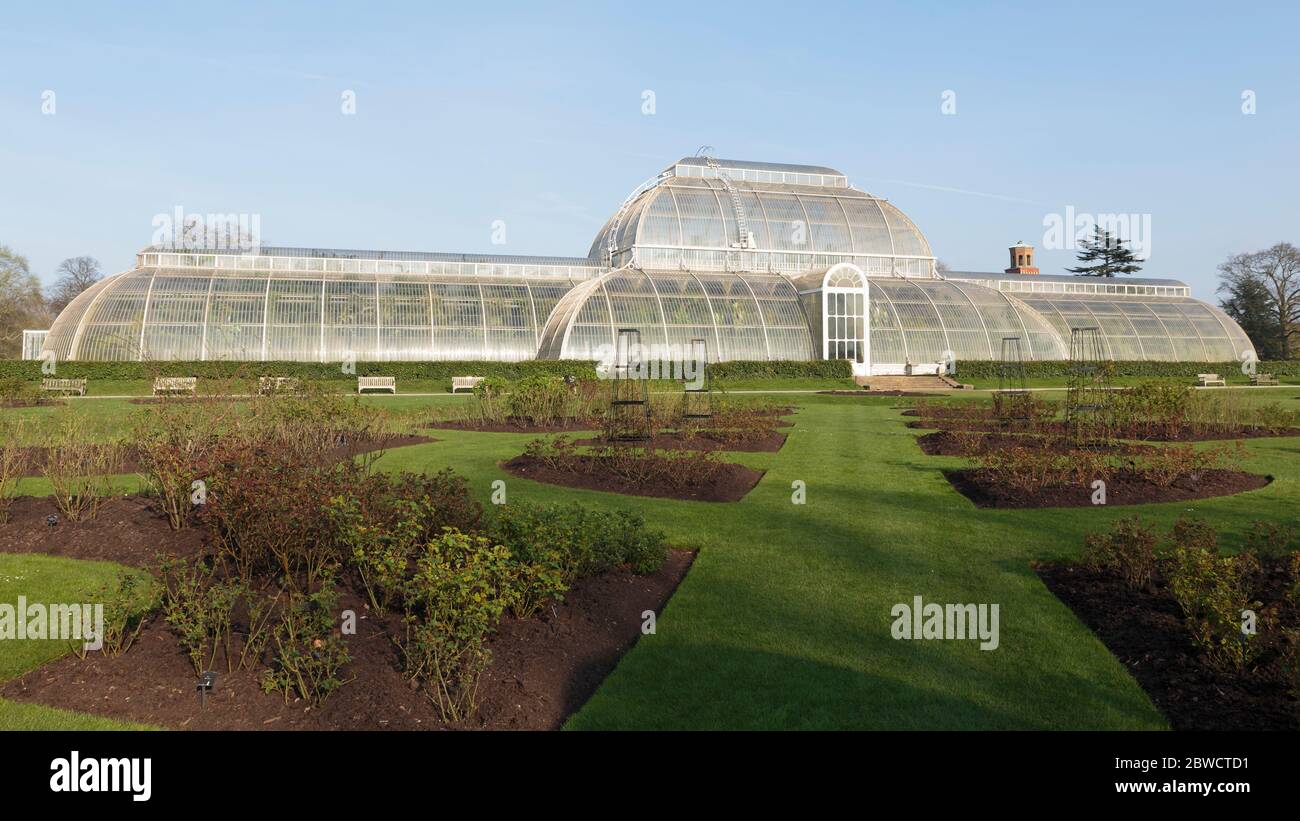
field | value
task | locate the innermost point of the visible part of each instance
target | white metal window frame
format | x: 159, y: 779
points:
x: 835, y: 274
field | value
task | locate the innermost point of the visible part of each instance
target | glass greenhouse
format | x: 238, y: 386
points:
x: 763, y: 261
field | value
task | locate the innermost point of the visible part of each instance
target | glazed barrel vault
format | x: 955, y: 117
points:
x: 761, y: 260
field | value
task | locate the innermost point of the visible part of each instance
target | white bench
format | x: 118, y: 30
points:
x: 1263, y: 379
x: 77, y: 386
x: 278, y: 384
x: 466, y: 382
x: 1207, y: 379
x: 377, y: 383
x: 175, y: 384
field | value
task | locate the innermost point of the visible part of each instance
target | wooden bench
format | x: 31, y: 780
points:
x: 278, y: 384
x: 175, y: 384
x: 377, y: 383
x: 77, y: 386
x: 1263, y: 379
x: 466, y: 382
x: 1204, y: 380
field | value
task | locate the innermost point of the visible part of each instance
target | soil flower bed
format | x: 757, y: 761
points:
x: 635, y: 470
x: 767, y: 441
x: 1156, y: 611
x: 544, y: 668
x: 1185, y: 433
x: 35, y: 458
x: 986, y: 489
x: 324, y: 593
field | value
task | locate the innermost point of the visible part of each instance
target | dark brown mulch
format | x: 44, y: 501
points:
x: 1146, y: 632
x: 125, y: 530
x: 946, y: 443
x: 1122, y: 488
x: 513, y: 425
x: 1186, y: 434
x: 765, y: 442
x: 37, y: 457
x: 543, y: 669
x: 730, y: 484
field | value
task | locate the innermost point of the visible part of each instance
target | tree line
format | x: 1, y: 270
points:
x: 25, y: 305
x: 1261, y: 292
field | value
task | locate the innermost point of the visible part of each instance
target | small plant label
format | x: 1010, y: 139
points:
x: 647, y: 622
x: 1248, y: 620
x: 799, y: 496
x: 498, y: 492
x: 348, y: 625
x: 198, y: 492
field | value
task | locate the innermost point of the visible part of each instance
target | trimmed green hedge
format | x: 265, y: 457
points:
x: 988, y: 369
x: 19, y: 369
x: 739, y: 369
x: 790, y: 369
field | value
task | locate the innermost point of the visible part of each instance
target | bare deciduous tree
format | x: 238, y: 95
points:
x: 1277, y: 269
x: 21, y: 303
x: 74, y: 276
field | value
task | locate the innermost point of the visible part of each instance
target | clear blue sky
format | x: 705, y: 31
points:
x: 490, y: 111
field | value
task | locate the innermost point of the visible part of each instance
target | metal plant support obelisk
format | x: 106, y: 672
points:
x: 1011, y: 402
x: 628, y: 419
x: 697, y: 402
x: 1088, y: 384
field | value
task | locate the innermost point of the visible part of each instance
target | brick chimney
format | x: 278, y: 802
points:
x: 1022, y: 259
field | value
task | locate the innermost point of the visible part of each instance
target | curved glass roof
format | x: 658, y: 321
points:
x: 735, y: 224
x: 918, y: 320
x: 740, y: 316
x: 193, y: 314
x: 1166, y: 330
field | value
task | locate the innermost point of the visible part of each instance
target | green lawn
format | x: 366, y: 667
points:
x: 784, y: 620
x: 48, y: 580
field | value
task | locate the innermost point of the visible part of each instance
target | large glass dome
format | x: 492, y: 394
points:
x: 762, y: 217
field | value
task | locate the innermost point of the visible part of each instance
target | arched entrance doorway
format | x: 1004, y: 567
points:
x: 845, y: 331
